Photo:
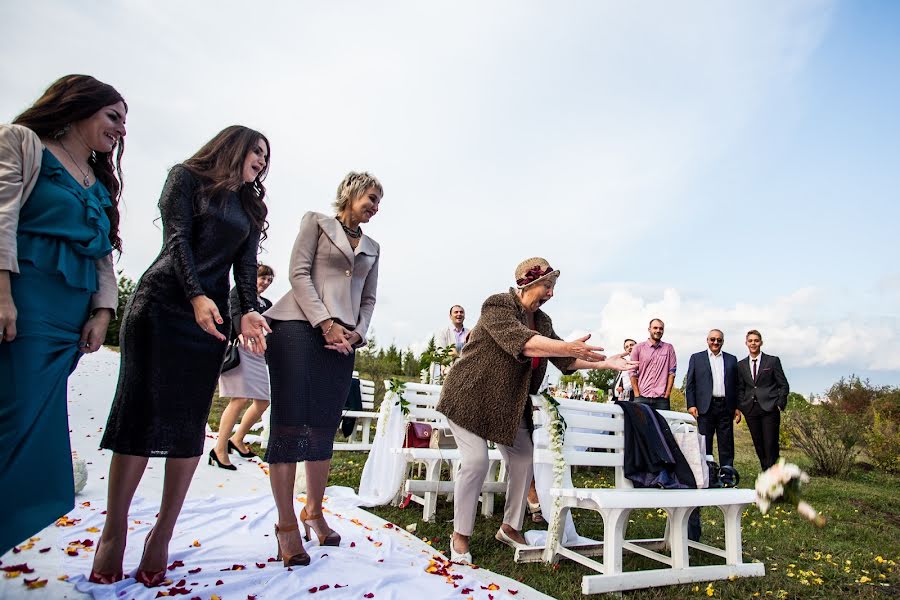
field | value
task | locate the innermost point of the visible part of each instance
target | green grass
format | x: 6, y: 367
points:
x: 838, y: 561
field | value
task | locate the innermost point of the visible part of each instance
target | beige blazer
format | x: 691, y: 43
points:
x: 329, y: 279
x: 21, y: 151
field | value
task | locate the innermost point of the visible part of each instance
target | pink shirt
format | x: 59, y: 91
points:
x: 655, y: 363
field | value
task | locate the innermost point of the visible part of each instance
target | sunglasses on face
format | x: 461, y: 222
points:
x: 715, y: 340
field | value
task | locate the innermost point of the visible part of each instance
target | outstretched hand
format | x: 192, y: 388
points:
x: 618, y: 362
x: 580, y: 350
x: 253, y: 332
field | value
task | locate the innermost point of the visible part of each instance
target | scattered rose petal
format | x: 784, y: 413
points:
x: 195, y: 571
x: 44, y: 550
x: 260, y: 565
x: 466, y: 591
x: 369, y: 595
x: 175, y: 565
x: 219, y: 582
x: 196, y: 544
x: 33, y: 584
x: 92, y: 530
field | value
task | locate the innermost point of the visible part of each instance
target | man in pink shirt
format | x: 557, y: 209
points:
x: 653, y: 379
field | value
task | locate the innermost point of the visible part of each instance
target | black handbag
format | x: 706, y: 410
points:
x: 232, y: 358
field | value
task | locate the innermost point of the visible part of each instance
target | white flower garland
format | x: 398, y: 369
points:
x: 556, y: 428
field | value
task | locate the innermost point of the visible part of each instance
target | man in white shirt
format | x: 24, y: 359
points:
x: 711, y: 393
x: 454, y: 336
x: 622, y: 385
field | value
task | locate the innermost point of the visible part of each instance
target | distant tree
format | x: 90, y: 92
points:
x: 602, y: 379
x: 411, y: 364
x: 126, y: 290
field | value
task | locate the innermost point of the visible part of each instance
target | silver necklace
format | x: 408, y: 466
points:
x: 86, y: 180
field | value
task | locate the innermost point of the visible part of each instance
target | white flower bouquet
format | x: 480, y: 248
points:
x: 783, y: 481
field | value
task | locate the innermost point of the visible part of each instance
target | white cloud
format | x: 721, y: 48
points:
x: 791, y: 328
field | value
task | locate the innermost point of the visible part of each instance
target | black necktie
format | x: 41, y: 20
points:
x: 754, y: 369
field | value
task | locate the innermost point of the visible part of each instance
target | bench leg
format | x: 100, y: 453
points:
x: 557, y: 525
x: 678, y: 535
x: 432, y: 474
x: 732, y: 514
x: 487, y: 498
x: 614, y: 522
x: 366, y: 431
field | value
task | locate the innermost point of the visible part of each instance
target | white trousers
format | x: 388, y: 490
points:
x: 474, y: 458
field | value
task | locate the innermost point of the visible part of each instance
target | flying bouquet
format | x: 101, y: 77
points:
x: 783, y: 480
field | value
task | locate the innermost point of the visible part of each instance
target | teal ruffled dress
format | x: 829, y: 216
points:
x: 63, y: 230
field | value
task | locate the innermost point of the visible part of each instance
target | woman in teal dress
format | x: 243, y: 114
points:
x: 59, y: 190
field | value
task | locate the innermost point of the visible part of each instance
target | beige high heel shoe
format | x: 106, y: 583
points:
x: 301, y: 559
x: 332, y: 538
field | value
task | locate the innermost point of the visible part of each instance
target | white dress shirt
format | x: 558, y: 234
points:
x: 717, y: 366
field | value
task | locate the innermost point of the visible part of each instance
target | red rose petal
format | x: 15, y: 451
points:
x: 195, y: 571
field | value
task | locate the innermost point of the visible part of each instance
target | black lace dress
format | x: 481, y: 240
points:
x: 169, y: 365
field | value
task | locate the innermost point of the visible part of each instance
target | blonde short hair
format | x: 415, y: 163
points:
x: 353, y: 186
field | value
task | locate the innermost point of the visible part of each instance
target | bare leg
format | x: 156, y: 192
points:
x: 316, y: 480
x: 179, y: 472
x: 249, y: 419
x: 281, y: 476
x: 125, y: 474
x: 226, y: 425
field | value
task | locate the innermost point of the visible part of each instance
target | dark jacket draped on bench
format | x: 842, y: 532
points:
x: 652, y: 456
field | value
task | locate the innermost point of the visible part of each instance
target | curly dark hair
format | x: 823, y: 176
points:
x: 72, y: 98
x: 219, y: 164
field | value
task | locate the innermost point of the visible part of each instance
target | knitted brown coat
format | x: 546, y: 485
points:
x: 487, y: 389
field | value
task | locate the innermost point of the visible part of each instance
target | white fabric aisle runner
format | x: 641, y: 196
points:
x: 226, y: 546
x: 230, y: 515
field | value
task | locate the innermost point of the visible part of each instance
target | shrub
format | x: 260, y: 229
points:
x: 828, y: 436
x: 883, y: 439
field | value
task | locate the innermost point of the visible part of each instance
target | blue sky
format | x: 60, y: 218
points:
x: 731, y: 165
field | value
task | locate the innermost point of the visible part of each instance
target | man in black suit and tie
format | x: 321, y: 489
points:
x: 711, y: 394
x: 762, y: 395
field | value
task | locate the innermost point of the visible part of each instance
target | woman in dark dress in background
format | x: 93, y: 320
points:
x: 173, y: 336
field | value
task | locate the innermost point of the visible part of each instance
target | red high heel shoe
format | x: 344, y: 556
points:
x: 332, y: 538
x: 150, y: 578
x: 105, y: 578
x: 301, y: 559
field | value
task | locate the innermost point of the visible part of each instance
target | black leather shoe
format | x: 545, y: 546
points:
x: 247, y: 454
x: 219, y: 463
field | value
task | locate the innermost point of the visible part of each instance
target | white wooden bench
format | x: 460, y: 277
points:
x: 422, y: 407
x: 595, y: 421
x: 361, y: 437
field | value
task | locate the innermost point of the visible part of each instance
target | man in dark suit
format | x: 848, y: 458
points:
x: 711, y: 394
x: 762, y: 395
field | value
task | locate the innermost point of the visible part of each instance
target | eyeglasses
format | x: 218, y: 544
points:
x: 716, y: 340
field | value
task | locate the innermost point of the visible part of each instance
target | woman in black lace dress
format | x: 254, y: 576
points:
x: 173, y: 336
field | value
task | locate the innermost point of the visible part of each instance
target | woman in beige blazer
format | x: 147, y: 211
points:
x: 316, y: 328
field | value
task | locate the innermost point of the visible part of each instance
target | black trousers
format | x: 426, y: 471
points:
x: 655, y: 403
x: 764, y: 428
x: 718, y: 421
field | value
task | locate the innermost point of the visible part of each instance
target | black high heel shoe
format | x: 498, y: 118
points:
x: 247, y: 454
x: 219, y: 463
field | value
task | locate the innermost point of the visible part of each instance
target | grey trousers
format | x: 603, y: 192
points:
x: 474, y: 458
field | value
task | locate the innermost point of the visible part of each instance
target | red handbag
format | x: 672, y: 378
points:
x: 418, y: 435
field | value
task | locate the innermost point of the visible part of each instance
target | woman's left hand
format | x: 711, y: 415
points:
x: 94, y: 331
x: 620, y: 363
x: 253, y: 330
x: 352, y: 338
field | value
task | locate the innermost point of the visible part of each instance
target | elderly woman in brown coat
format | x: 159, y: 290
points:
x: 486, y: 395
